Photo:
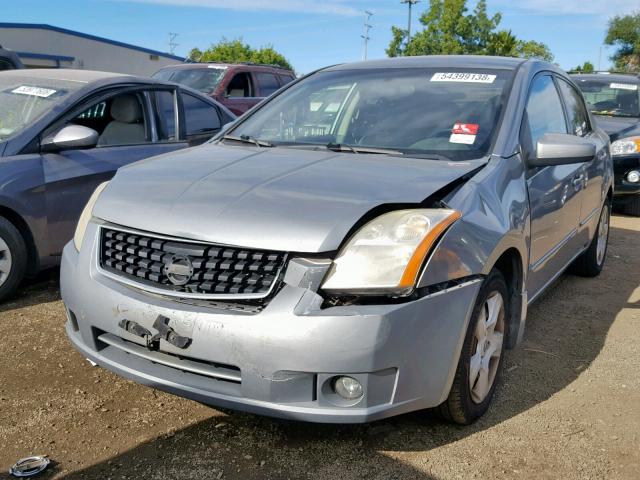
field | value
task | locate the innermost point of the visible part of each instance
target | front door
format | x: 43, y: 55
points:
x: 555, y: 193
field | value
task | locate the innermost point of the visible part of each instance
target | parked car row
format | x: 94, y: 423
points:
x: 363, y: 243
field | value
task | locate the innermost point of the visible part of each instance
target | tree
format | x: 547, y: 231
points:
x: 449, y: 30
x: 624, y: 34
x: 235, y: 51
x: 586, y: 67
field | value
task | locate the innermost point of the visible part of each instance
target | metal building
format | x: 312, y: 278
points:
x: 45, y: 46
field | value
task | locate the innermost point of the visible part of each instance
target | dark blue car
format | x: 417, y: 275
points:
x: 62, y: 133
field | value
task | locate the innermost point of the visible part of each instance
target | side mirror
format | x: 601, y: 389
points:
x: 71, y: 137
x: 562, y: 149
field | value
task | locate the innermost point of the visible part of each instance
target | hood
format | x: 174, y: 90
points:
x: 271, y: 198
x: 618, y: 127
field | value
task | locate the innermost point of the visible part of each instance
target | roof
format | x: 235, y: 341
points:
x: 84, y: 76
x: 448, y: 61
x: 224, y: 65
x: 43, y: 26
x: 608, y: 77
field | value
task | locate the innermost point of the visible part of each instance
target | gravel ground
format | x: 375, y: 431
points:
x: 568, y: 406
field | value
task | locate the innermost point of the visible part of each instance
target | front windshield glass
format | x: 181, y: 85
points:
x: 204, y: 80
x: 436, y: 113
x: 24, y: 99
x: 613, y: 98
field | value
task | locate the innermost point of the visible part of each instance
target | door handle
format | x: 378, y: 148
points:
x: 578, y: 182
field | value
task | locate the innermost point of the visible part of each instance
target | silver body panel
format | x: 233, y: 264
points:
x: 307, y: 203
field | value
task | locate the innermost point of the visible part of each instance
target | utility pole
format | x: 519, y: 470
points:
x: 410, y: 3
x: 172, y: 43
x: 365, y: 36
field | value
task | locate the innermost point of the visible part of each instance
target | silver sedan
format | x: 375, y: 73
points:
x: 363, y: 244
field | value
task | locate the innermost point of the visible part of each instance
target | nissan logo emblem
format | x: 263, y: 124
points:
x: 178, y: 270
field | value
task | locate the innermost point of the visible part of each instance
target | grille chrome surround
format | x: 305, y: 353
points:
x: 243, y: 269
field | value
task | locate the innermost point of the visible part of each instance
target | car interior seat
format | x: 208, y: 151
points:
x: 127, y: 126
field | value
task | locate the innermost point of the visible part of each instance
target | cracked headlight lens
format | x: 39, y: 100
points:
x: 385, y: 256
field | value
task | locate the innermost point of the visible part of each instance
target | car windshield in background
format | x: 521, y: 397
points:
x: 23, y: 100
x: 204, y: 80
x: 613, y: 98
x: 437, y: 113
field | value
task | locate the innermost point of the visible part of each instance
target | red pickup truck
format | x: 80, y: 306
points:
x: 237, y: 86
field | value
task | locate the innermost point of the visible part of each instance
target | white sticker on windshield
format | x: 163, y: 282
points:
x: 463, y: 77
x: 34, y: 91
x: 462, y: 138
x: 624, y: 86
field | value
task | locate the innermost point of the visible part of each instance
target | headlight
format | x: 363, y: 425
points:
x: 85, y: 218
x: 626, y: 146
x: 385, y: 256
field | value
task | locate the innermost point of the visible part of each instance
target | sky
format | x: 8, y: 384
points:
x: 315, y: 33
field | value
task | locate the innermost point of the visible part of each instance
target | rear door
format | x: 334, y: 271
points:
x: 554, y: 192
x: 268, y: 83
x: 72, y: 175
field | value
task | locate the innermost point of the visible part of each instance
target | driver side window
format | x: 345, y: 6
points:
x: 119, y: 120
x: 544, y: 110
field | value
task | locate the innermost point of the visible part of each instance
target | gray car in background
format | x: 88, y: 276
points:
x: 363, y: 244
x: 62, y: 133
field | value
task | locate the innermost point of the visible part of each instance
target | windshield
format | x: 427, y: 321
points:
x: 204, y: 80
x: 613, y: 98
x: 437, y: 113
x: 23, y: 100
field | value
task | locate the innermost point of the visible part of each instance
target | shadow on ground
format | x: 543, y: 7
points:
x: 566, y: 331
x: 42, y: 288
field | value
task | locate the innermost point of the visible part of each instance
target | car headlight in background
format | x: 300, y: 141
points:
x: 626, y: 146
x: 85, y: 218
x: 386, y: 254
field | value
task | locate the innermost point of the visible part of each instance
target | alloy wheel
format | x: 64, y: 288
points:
x: 487, y: 346
x: 5, y: 261
x: 603, y: 235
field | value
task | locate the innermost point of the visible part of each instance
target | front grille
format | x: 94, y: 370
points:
x: 189, y: 268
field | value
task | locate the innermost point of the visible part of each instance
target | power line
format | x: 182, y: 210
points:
x: 410, y: 4
x: 365, y: 36
x: 172, y: 42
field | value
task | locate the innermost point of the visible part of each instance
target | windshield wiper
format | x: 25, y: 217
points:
x: 343, y: 147
x: 248, y: 139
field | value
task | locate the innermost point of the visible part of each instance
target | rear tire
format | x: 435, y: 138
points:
x: 13, y: 258
x: 633, y: 207
x: 591, y: 262
x: 481, y: 361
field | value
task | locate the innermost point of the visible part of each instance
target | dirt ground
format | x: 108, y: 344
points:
x: 568, y: 406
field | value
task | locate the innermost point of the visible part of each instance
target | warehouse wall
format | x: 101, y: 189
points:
x: 57, y: 49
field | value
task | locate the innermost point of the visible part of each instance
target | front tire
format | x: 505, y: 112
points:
x: 591, y: 262
x: 13, y: 258
x: 482, y: 354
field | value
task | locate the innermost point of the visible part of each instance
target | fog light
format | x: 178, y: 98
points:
x: 348, y: 388
x: 633, y: 176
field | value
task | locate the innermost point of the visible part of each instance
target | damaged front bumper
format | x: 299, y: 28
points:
x: 280, y: 361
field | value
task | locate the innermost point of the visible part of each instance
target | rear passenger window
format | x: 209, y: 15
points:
x: 268, y: 83
x: 200, y: 117
x: 285, y: 79
x: 544, y: 110
x: 578, y: 117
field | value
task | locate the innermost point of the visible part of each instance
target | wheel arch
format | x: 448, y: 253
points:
x: 510, y: 264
